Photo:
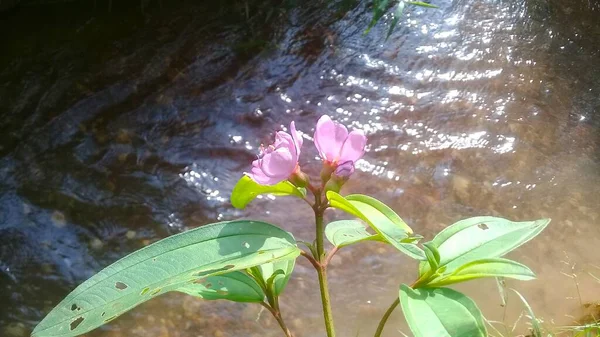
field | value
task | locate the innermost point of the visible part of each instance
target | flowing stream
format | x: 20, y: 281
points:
x: 122, y: 127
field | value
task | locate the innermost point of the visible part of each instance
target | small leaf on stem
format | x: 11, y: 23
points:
x: 496, y: 267
x: 247, y: 190
x: 381, y: 218
x: 236, y: 286
x: 346, y: 232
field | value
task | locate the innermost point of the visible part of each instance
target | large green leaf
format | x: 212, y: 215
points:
x: 496, y: 267
x: 482, y: 238
x: 167, y: 265
x: 381, y: 218
x: 236, y: 286
x: 441, y: 312
x: 346, y: 232
x: 247, y: 190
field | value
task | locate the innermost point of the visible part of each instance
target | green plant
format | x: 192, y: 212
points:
x: 381, y: 6
x: 252, y: 261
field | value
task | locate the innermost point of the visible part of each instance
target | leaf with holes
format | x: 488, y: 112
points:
x: 346, y: 232
x: 167, y: 265
x: 247, y: 190
x: 441, y: 312
x: 496, y: 267
x: 482, y: 238
x: 381, y: 218
x: 235, y: 286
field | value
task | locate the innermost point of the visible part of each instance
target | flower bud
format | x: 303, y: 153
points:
x: 326, y: 172
x: 299, y: 178
x: 334, y: 184
x: 340, y: 176
x: 345, y: 169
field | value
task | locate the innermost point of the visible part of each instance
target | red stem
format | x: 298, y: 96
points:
x: 312, y: 260
x: 330, y: 256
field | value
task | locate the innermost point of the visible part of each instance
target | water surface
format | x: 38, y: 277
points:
x: 120, y: 128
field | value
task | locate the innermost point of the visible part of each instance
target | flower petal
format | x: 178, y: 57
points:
x: 283, y: 139
x: 258, y: 176
x: 297, y: 137
x: 354, y: 146
x: 278, y: 164
x: 329, y: 138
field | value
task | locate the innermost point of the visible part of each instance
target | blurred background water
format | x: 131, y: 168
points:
x: 123, y: 123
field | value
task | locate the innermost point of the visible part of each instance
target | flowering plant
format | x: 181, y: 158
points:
x: 252, y: 261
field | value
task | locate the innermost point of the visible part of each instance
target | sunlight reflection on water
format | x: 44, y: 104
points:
x: 480, y: 107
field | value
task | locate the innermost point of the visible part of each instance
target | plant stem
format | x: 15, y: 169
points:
x: 330, y: 256
x: 277, y: 314
x: 388, y: 313
x: 319, y: 222
x: 327, y: 314
x: 322, y: 269
x: 283, y: 327
x: 385, y: 318
x: 311, y: 260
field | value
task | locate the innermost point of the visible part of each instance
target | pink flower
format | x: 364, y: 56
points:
x: 278, y: 161
x: 337, y: 146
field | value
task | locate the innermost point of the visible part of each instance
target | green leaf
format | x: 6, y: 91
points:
x: 433, y: 256
x: 247, y: 190
x: 372, y: 211
x: 421, y: 4
x: 167, y: 265
x: 377, y: 211
x: 379, y: 8
x: 482, y: 238
x: 346, y: 232
x: 424, y: 267
x: 441, y: 312
x: 397, y: 15
x: 496, y: 267
x: 278, y: 273
x: 235, y: 286
x: 381, y: 218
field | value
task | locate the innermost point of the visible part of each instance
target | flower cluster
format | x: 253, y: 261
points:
x: 338, y: 148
